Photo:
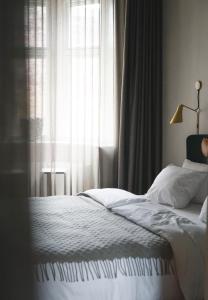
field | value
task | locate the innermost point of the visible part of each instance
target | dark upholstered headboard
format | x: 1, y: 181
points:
x: 193, y: 148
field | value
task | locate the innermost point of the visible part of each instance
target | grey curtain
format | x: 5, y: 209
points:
x: 140, y: 133
x: 15, y: 270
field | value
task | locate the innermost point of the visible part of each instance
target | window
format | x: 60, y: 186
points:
x: 70, y: 46
x: 65, y: 52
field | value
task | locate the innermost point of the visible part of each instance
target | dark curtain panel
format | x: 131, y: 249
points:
x: 15, y: 267
x: 140, y: 139
x: 120, y: 19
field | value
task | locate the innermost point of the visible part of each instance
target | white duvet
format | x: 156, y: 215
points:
x: 186, y: 239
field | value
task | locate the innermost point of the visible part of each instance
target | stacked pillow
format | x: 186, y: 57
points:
x: 176, y: 186
x: 202, y: 191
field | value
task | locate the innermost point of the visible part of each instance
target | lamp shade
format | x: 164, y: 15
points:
x: 178, y: 115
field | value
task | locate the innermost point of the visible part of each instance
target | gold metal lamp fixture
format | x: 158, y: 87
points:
x: 178, y: 115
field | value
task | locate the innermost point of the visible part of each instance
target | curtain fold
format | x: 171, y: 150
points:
x: 71, y: 73
x: 140, y: 134
x: 120, y: 23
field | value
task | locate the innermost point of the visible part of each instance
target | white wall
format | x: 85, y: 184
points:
x: 185, y: 39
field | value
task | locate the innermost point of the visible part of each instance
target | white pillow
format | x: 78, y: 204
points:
x: 195, y: 166
x: 175, y: 186
x: 204, y: 214
x: 203, y: 188
x: 111, y: 197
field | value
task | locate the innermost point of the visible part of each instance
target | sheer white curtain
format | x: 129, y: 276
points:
x: 70, y: 47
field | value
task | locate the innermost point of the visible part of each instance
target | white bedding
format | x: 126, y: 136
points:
x: 191, y: 212
x: 187, y: 242
x: 141, y: 288
x: 121, y: 288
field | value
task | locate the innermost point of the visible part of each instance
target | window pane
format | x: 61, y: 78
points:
x: 83, y: 25
x: 35, y: 24
x: 37, y: 78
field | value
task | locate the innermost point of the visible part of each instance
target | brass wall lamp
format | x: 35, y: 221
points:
x: 178, y: 115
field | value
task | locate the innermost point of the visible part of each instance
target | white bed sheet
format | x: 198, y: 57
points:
x: 191, y: 212
x: 120, y: 288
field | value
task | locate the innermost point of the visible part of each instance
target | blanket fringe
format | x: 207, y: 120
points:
x: 91, y: 270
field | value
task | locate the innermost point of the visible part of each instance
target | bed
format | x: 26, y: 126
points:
x: 113, y: 245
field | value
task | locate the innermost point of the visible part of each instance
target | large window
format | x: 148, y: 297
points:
x: 70, y: 58
x: 70, y: 46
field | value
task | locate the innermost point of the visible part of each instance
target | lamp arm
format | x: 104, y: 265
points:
x: 198, y: 107
x: 197, y: 110
x: 188, y: 107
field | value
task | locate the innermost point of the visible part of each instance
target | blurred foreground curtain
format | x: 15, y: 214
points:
x: 15, y: 270
x: 140, y: 138
x: 70, y: 46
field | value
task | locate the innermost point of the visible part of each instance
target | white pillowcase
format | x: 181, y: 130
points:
x: 203, y: 188
x: 110, y: 197
x: 195, y: 166
x: 203, y: 215
x: 175, y: 186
